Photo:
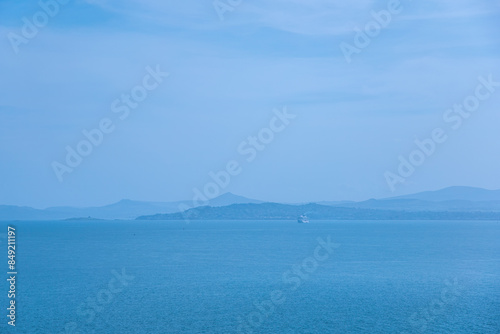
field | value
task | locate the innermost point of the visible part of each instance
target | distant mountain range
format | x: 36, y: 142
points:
x: 275, y: 211
x: 448, y: 203
x: 456, y: 194
x: 447, y: 199
x: 124, y: 209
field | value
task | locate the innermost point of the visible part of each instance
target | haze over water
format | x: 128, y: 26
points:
x: 306, y: 109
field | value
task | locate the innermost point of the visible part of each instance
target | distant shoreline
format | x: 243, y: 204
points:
x: 453, y: 203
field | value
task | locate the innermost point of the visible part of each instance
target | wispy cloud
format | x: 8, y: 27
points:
x: 314, y: 17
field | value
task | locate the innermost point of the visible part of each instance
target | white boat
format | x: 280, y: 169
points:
x: 303, y: 219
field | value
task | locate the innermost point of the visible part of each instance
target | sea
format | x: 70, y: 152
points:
x: 252, y: 277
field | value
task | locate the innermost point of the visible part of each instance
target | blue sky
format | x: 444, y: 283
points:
x: 225, y: 78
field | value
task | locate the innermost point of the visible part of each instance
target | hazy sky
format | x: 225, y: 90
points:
x: 72, y: 69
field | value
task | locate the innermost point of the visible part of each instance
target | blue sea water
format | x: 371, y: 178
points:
x: 238, y: 277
